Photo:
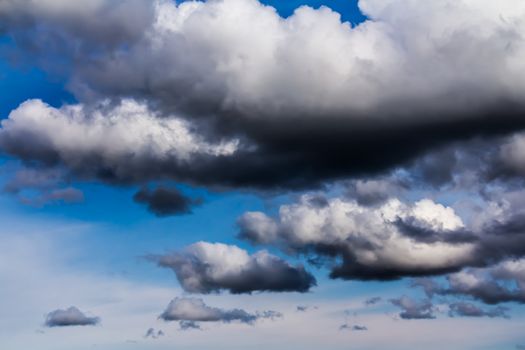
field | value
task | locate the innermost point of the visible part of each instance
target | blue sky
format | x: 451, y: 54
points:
x: 100, y: 251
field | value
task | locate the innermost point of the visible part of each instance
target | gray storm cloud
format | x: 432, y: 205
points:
x: 266, y: 101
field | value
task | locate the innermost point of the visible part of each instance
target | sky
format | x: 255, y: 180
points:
x: 233, y: 174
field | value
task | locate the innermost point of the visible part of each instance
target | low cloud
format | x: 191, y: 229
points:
x: 414, y: 309
x: 190, y: 311
x: 463, y: 309
x: 213, y: 267
x: 373, y: 301
x: 153, y: 334
x: 357, y: 328
x: 69, y: 317
x: 504, y: 282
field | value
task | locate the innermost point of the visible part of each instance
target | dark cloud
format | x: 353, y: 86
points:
x: 413, y: 309
x: 206, y: 268
x: 189, y: 325
x: 463, y: 309
x: 69, y: 317
x: 189, y: 311
x: 299, y: 119
x: 163, y: 201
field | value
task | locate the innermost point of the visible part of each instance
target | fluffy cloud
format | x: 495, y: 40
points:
x: 112, y: 142
x: 372, y: 96
x: 413, y: 309
x: 165, y: 201
x: 206, y: 267
x: 69, y: 317
x: 189, y: 311
x: 369, y: 240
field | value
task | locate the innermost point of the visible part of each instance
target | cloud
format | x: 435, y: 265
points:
x: 189, y: 311
x: 125, y: 142
x: 163, y: 201
x: 304, y: 308
x: 256, y: 94
x: 373, y: 301
x: 39, y: 187
x: 367, y: 240
x: 353, y: 328
x: 503, y: 282
x: 463, y: 309
x: 212, y: 267
x: 188, y: 325
x: 69, y: 317
x: 413, y: 309
x: 153, y: 334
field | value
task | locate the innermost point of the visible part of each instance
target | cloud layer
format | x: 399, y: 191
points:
x: 262, y: 101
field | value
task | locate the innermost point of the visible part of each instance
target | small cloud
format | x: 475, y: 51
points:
x: 164, y: 201
x: 413, y: 310
x: 70, y: 317
x: 188, y: 311
x: 356, y: 328
x: 372, y: 301
x: 153, y: 334
x: 304, y: 308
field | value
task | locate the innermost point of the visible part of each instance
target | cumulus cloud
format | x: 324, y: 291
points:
x: 69, y: 317
x: 212, y: 267
x: 372, y: 96
x: 368, y: 240
x: 463, y: 309
x: 190, y: 311
x: 396, y: 238
x: 414, y: 309
x: 165, y: 201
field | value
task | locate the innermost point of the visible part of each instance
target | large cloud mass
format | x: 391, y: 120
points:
x: 310, y: 98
